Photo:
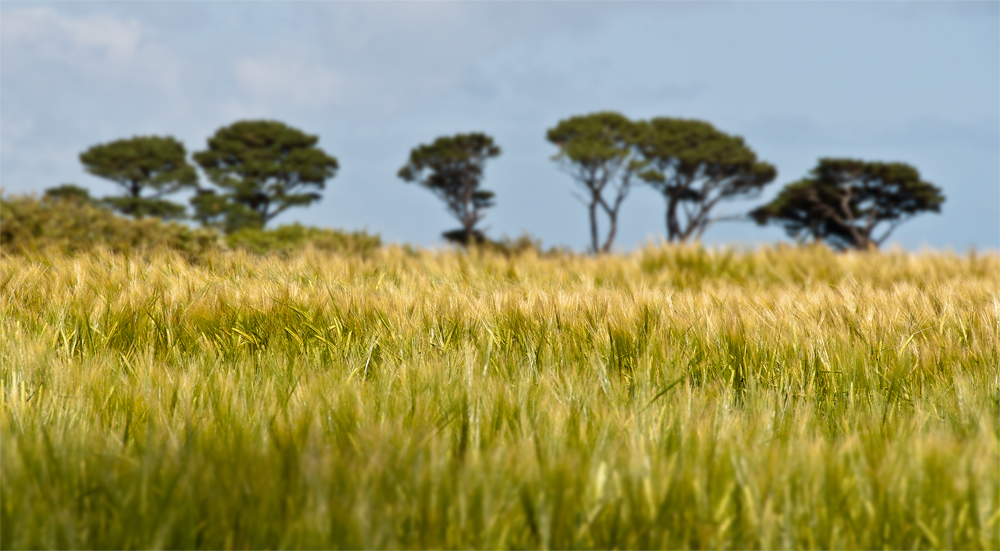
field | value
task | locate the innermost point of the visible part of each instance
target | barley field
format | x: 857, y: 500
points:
x: 672, y: 397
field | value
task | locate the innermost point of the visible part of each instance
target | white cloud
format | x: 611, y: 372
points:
x: 121, y: 56
x: 55, y: 36
x: 89, y: 62
x: 304, y: 83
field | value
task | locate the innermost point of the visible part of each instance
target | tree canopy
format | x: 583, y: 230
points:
x: 141, y: 164
x: 846, y: 201
x: 452, y: 168
x: 220, y: 211
x: 261, y: 168
x: 598, y: 151
x: 695, y: 166
x: 69, y: 192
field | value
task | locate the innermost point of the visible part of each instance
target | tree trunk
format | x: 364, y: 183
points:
x: 468, y: 224
x: 864, y: 242
x: 613, y: 222
x: 135, y: 189
x: 673, y: 227
x: 593, y: 225
x: 468, y: 215
x: 265, y: 216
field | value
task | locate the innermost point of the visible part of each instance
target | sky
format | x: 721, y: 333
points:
x: 915, y: 82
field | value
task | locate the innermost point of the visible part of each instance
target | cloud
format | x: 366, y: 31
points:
x: 53, y: 36
x: 288, y: 78
x: 71, y: 80
x: 60, y: 57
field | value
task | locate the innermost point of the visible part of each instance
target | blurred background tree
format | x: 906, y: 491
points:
x: 69, y: 192
x: 452, y: 168
x: 598, y: 151
x: 220, y: 211
x: 845, y: 201
x: 155, y: 165
x: 261, y: 168
x: 694, y: 166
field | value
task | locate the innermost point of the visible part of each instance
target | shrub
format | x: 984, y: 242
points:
x: 506, y: 246
x: 29, y: 224
x: 287, y: 238
x: 510, y: 247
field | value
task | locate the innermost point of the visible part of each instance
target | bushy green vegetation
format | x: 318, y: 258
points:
x: 261, y: 168
x: 292, y: 237
x: 671, y: 398
x: 74, y: 224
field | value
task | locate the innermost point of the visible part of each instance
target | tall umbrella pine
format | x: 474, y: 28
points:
x: 147, y: 168
x: 261, y: 168
x: 452, y: 168
x: 598, y: 151
x: 694, y: 166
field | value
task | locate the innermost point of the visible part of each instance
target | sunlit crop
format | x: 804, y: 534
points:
x: 668, y: 398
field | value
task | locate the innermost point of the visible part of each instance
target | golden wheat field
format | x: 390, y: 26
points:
x: 673, y: 397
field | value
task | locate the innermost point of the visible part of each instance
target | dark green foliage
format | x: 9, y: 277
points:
x: 452, y: 168
x: 261, y: 168
x: 152, y: 164
x: 215, y: 210
x: 464, y: 238
x: 512, y: 247
x: 291, y: 237
x: 845, y: 201
x: 72, y: 225
x: 141, y: 207
x: 598, y: 151
x: 69, y: 192
x: 695, y: 166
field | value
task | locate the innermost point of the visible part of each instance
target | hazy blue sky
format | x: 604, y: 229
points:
x: 917, y: 82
